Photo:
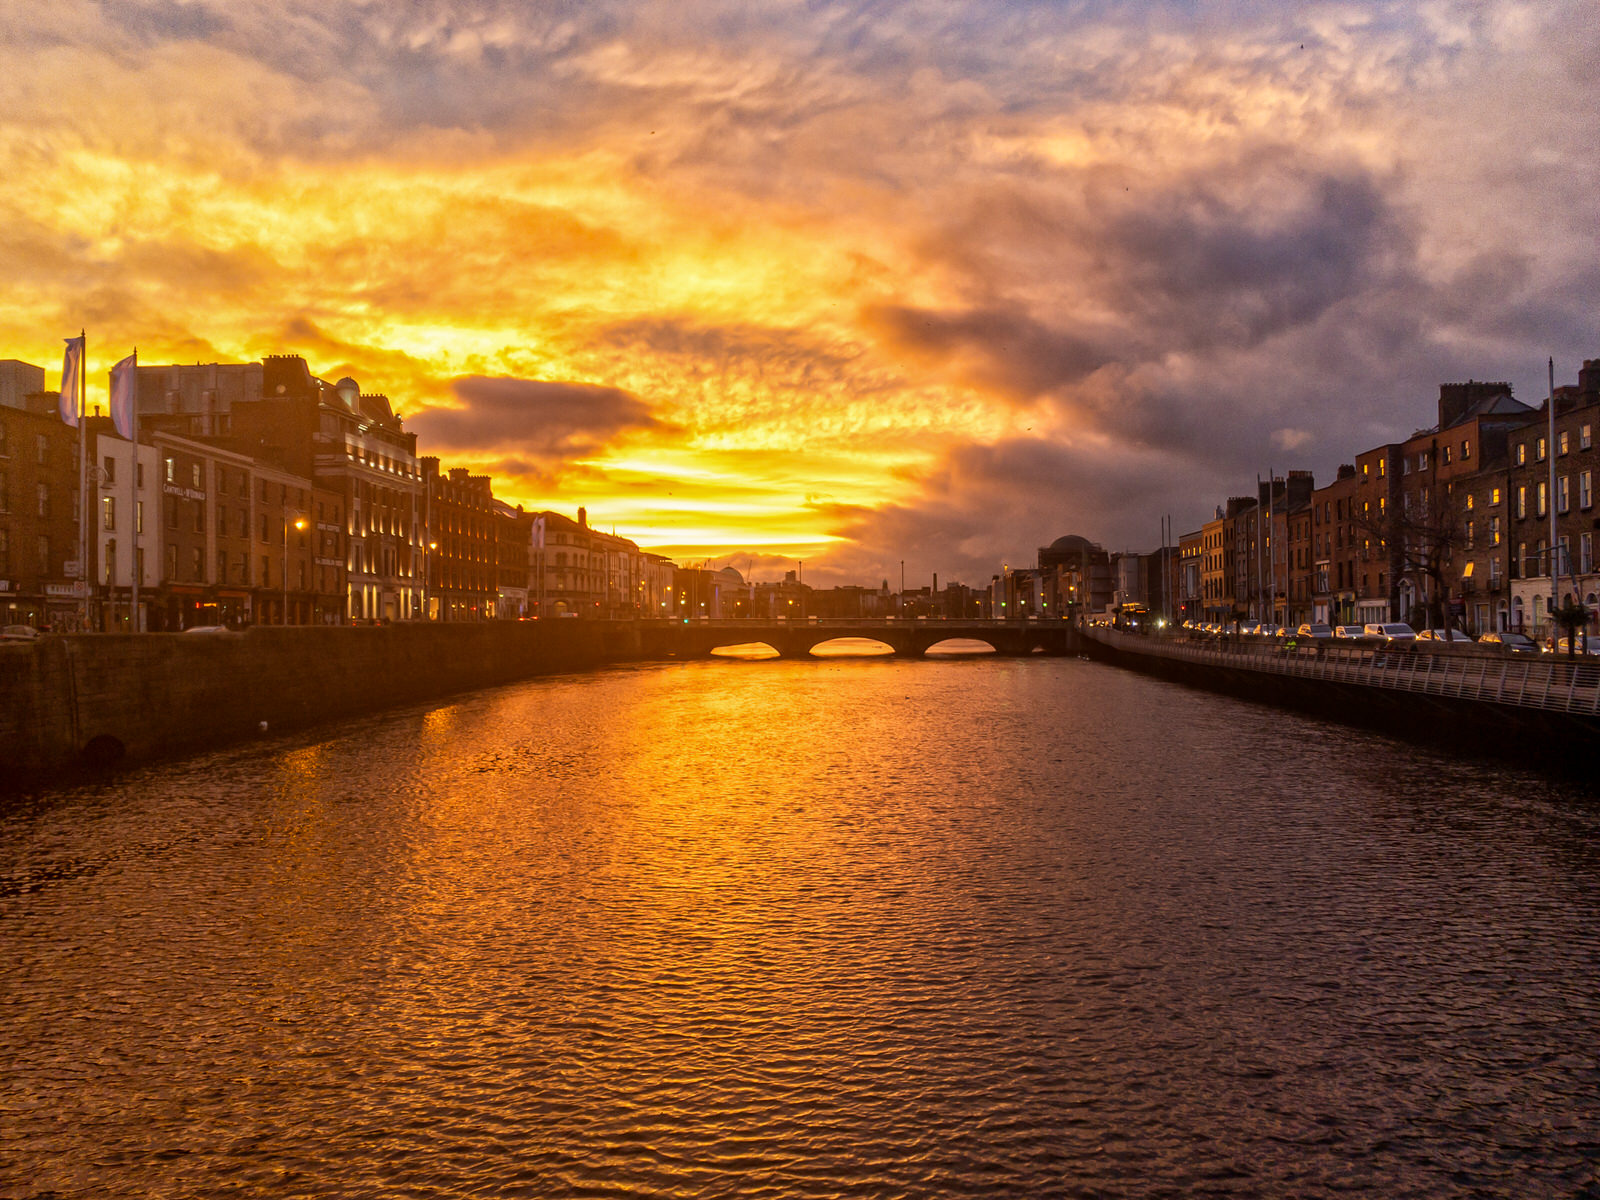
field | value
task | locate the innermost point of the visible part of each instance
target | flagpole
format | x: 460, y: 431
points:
x: 133, y: 594
x: 84, y: 509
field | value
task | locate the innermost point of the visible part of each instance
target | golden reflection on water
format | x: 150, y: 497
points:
x: 812, y: 929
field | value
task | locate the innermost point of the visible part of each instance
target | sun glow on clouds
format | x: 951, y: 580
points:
x: 863, y: 285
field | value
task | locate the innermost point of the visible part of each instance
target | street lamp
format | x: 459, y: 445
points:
x: 299, y: 523
x: 427, y: 579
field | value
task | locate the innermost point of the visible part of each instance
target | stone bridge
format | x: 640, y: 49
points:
x: 911, y: 638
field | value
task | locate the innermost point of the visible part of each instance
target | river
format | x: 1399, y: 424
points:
x: 997, y: 927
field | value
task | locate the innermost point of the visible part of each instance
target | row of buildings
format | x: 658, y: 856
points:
x: 1484, y: 520
x: 258, y: 493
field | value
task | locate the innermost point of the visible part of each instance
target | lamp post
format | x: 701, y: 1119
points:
x: 299, y: 523
x: 427, y: 579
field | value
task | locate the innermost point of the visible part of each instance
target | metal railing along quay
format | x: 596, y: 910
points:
x: 1545, y: 681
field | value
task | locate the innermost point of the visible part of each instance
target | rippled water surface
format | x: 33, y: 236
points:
x: 817, y: 929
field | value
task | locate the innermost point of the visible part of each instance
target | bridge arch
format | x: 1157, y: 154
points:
x: 959, y: 647
x: 851, y: 646
x: 752, y: 651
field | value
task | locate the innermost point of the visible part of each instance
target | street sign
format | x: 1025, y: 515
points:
x: 73, y: 568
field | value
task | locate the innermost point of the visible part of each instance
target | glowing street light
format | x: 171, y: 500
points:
x: 300, y: 524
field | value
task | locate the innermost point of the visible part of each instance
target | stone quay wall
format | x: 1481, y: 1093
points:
x: 103, y: 697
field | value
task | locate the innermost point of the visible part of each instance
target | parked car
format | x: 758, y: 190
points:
x: 1592, y: 647
x: 1443, y: 635
x: 1314, y: 630
x: 1512, y: 643
x: 1347, y: 631
x: 1388, y: 631
x: 18, y: 633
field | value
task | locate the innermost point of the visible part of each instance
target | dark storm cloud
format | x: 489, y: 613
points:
x: 1005, y: 349
x: 534, y: 419
x: 1209, y: 268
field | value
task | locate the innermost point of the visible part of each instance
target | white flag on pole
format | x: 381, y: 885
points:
x: 124, y: 394
x: 71, y: 379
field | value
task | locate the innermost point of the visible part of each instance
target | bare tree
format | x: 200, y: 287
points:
x: 1420, y: 538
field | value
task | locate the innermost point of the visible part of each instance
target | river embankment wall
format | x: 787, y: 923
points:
x: 108, y: 696
x: 1542, y: 712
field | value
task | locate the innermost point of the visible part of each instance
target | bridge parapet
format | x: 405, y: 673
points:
x: 914, y: 638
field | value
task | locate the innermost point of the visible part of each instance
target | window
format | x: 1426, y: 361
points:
x: 1562, y: 502
x: 1522, y: 501
x: 1563, y: 563
x: 1585, y: 437
x: 138, y: 482
x: 108, y: 513
x: 171, y: 469
x: 1383, y: 463
x: 1466, y: 451
x: 1422, y: 461
x: 194, y: 474
x: 1447, y: 456
x: 111, y: 469
x: 42, y: 495
x: 199, y: 517
x: 1585, y: 489
x: 1538, y: 450
x: 41, y: 449
x: 172, y: 563
x: 1470, y: 501
x: 1494, y: 531
x: 43, y: 548
x: 244, y: 485
x: 1522, y: 454
x: 1561, y: 442
x: 1585, y: 553
x: 138, y: 517
x: 1494, y: 495
x: 111, y: 561
x: 1405, y: 465
x: 172, y: 516
x: 1469, y: 535
x: 1544, y: 498
x: 1363, y: 470
x: 198, y: 562
x: 265, y: 532
x: 5, y: 492
x: 266, y: 571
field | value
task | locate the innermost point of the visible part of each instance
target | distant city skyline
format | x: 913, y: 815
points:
x: 852, y: 285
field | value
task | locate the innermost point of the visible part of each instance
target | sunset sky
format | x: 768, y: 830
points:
x: 847, y: 283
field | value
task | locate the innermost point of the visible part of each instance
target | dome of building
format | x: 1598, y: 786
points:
x: 729, y: 576
x: 1071, y: 544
